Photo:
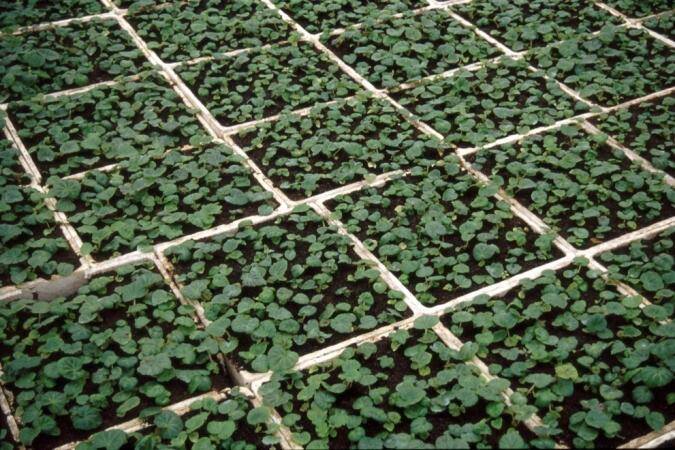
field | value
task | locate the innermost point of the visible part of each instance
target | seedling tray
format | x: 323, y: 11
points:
x: 406, y: 390
x: 646, y: 129
x: 442, y: 234
x: 159, y: 197
x: 223, y: 419
x: 72, y: 134
x: 260, y: 83
x: 122, y: 343
x: 63, y: 58
x: 283, y: 289
x: 646, y: 265
x: 316, y: 17
x: 523, y: 25
x: 411, y: 46
x: 593, y: 362
x: 187, y: 30
x: 337, y: 144
x: 502, y: 98
x: 19, y: 13
x: 588, y: 191
x: 610, y: 67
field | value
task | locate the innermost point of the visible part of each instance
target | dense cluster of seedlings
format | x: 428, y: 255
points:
x: 275, y: 194
x: 408, y: 390
x: 283, y: 289
x: 337, y: 144
x: 17, y: 13
x: 260, y: 83
x: 443, y: 234
x: 391, y: 52
x: 648, y: 129
x: 120, y: 345
x: 158, y: 197
x: 68, y: 135
x: 597, y: 366
x: 610, y: 67
x: 62, y: 58
x: 209, y: 424
x: 476, y: 107
x: 579, y: 185
x: 647, y: 266
x: 523, y: 24
x: 187, y: 30
x: 328, y: 15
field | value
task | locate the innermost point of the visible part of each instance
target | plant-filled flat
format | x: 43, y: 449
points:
x: 260, y: 83
x: 68, y: 57
x: 580, y: 186
x: 122, y: 344
x: 279, y: 290
x: 664, y: 24
x: 524, y: 24
x: 407, y: 48
x: 408, y: 390
x: 473, y: 108
x: 442, y: 234
x: 611, y: 67
x: 187, y: 30
x: 31, y: 243
x: 597, y: 366
x: 232, y: 423
x: 640, y: 8
x: 647, y: 128
x: 67, y: 135
x: 646, y: 265
x: 328, y: 15
x: 159, y: 197
x: 335, y: 145
x: 15, y: 13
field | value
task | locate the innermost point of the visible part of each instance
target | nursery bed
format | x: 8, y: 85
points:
x: 347, y: 223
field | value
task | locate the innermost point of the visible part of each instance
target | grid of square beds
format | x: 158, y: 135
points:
x: 347, y: 223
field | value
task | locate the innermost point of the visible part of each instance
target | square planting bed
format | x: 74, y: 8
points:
x: 597, y: 366
x: 640, y: 8
x: 86, y: 361
x: 524, y: 24
x: 186, y: 30
x: 648, y: 129
x: 283, y: 289
x: 16, y: 13
x: 106, y: 125
x: 473, y: 108
x: 611, y: 67
x: 394, y: 51
x: 260, y: 83
x: 335, y: 145
x: 579, y: 186
x: 159, y: 197
x: 647, y: 266
x: 232, y: 423
x: 407, y: 390
x: 65, y: 57
x: 328, y: 15
x: 443, y: 235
